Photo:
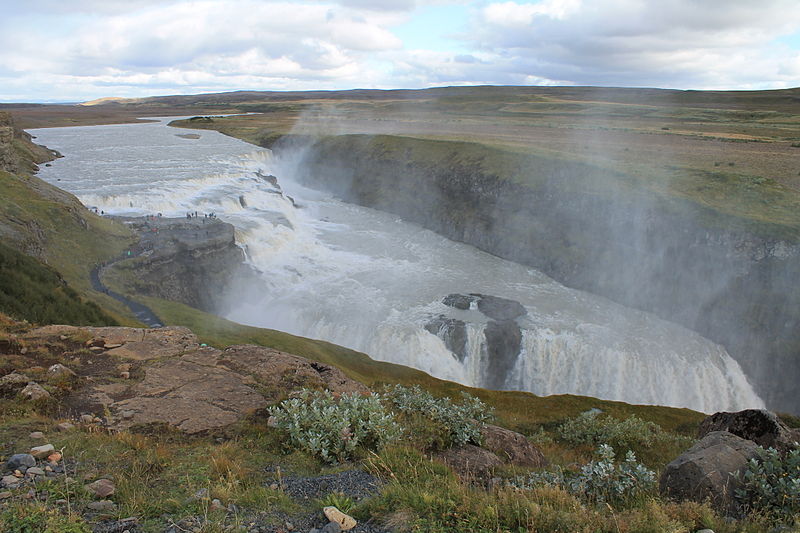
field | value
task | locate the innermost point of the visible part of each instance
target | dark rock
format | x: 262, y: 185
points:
x: 707, y: 471
x: 471, y: 462
x: 20, y: 460
x: 758, y: 425
x: 452, y: 331
x: 102, y: 488
x: 503, y: 341
x: 500, y: 308
x: 512, y: 446
x: 459, y: 301
x: 331, y: 527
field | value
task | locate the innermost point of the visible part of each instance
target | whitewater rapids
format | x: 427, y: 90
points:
x: 370, y: 281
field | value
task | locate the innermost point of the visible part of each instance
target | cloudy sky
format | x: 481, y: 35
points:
x: 77, y: 50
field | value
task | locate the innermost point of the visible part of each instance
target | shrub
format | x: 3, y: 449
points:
x: 333, y: 429
x: 459, y: 423
x: 594, y: 429
x: 600, y: 481
x: 771, y: 484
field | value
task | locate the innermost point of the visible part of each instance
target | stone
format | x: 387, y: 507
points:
x: 10, y: 482
x: 758, y: 425
x: 34, y: 392
x: 512, y: 447
x: 125, y: 375
x: 331, y: 527
x: 20, y: 460
x: 459, y: 301
x: 11, y: 384
x: 470, y: 462
x: 705, y: 531
x: 102, y: 488
x: 87, y: 419
x: 65, y: 426
x: 40, y: 452
x: 500, y: 309
x: 5, y: 495
x: 60, y: 372
x: 54, y: 458
x: 216, y: 505
x: 36, y: 435
x: 707, y: 471
x: 345, y: 521
x: 103, y: 506
x: 34, y: 471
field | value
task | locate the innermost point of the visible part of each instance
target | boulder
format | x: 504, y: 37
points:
x: 40, y: 452
x: 345, y: 521
x: 33, y: 392
x: 102, y: 488
x: 471, y: 462
x: 59, y: 372
x: 459, y: 301
x: 18, y: 461
x: 707, y: 471
x: 758, y: 425
x: 500, y: 308
x: 11, y: 384
x: 512, y: 446
x: 452, y: 331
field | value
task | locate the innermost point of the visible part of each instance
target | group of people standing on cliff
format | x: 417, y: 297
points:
x: 205, y: 215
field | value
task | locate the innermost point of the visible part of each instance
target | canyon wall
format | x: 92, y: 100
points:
x: 595, y: 229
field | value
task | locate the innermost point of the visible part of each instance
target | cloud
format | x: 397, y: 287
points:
x: 681, y: 43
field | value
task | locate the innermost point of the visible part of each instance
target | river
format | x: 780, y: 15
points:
x: 372, y: 282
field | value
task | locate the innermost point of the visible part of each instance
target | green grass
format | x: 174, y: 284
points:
x: 32, y: 291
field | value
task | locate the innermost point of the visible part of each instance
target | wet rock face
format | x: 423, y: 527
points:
x: 453, y: 332
x: 500, y: 308
x: 503, y: 341
x: 459, y: 301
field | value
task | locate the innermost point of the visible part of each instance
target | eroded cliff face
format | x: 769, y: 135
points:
x: 589, y: 228
x: 18, y: 153
x: 194, y: 261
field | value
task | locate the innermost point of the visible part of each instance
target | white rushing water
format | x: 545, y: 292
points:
x: 367, y: 280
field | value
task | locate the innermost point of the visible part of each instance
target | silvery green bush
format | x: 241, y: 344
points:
x: 771, y: 484
x: 600, y: 481
x: 592, y: 428
x: 331, y: 428
x: 461, y: 421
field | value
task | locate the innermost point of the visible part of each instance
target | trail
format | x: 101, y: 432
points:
x: 142, y: 312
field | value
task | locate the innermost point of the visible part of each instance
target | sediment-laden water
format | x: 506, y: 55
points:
x: 367, y: 280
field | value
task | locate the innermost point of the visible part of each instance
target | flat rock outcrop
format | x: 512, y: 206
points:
x: 758, y: 425
x: 142, y: 377
x: 707, y: 471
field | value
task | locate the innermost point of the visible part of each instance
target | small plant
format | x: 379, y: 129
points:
x: 340, y: 500
x: 333, y: 429
x: 602, y: 481
x: 460, y: 422
x: 771, y: 484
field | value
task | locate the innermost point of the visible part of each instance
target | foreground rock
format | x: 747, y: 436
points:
x: 757, y: 425
x: 707, y: 471
x: 512, y: 446
x: 471, y: 463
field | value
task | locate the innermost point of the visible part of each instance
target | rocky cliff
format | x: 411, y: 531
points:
x: 190, y: 260
x: 595, y: 229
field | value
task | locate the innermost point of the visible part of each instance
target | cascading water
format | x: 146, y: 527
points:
x: 367, y: 280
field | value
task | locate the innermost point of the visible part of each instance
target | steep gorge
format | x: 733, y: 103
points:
x: 729, y: 278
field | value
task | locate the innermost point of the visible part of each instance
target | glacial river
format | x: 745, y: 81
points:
x: 370, y: 281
